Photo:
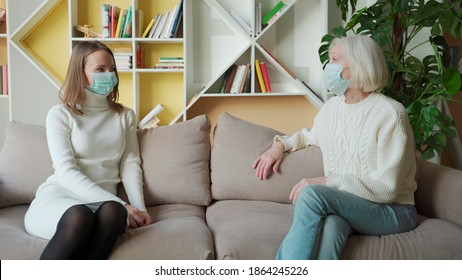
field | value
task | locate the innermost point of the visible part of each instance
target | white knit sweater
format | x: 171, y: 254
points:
x: 92, y: 153
x: 368, y: 148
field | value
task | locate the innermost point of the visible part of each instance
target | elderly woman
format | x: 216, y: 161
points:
x: 368, y: 154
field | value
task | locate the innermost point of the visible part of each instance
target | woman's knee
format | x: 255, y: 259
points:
x: 112, y: 211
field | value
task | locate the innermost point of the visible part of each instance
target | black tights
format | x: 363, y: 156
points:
x: 82, y: 234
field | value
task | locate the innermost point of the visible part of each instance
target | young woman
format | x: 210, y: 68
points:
x: 93, y: 144
x: 368, y: 155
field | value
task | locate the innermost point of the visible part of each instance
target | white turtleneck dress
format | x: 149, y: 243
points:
x: 367, y: 148
x: 91, y: 154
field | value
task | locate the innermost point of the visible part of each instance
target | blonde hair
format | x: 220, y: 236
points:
x: 367, y: 63
x: 72, y: 92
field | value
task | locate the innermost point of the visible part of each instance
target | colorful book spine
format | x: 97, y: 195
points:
x: 261, y: 82
x: 231, y: 78
x: 127, y: 31
x: 148, y: 28
x: 264, y: 72
x: 105, y: 17
x: 115, y: 13
x: 122, y: 17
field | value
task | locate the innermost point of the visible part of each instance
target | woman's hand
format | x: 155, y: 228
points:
x: 300, y: 185
x: 137, y: 218
x: 270, y: 159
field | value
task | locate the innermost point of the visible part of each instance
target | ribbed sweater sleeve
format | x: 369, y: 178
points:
x: 130, y: 164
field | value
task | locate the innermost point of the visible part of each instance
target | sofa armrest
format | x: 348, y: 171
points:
x: 439, y: 192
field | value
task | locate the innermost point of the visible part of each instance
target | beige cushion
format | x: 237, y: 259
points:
x: 25, y: 163
x: 237, y: 144
x: 175, y: 162
x: 179, y: 232
x: 249, y: 230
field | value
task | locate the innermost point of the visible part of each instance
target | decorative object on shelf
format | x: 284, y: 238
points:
x: 419, y: 84
x: 2, y: 20
x: 151, y: 120
x: 87, y: 31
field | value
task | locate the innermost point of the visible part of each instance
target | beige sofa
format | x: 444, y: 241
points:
x: 208, y: 204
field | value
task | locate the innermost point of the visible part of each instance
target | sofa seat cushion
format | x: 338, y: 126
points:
x: 255, y: 229
x: 15, y: 243
x: 432, y: 239
x: 237, y: 144
x: 249, y: 230
x: 179, y: 232
x: 175, y: 162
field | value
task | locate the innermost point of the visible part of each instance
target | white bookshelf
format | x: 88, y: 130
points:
x: 214, y: 41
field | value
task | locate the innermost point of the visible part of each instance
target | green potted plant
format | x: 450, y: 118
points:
x: 419, y: 84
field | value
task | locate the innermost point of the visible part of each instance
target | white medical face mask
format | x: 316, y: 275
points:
x: 333, y: 79
x: 103, y: 83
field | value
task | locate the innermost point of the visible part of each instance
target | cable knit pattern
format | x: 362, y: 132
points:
x: 368, y: 148
x: 92, y: 153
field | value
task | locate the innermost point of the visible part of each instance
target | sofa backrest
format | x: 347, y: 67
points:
x: 439, y: 192
x: 237, y: 144
x: 175, y: 162
x: 25, y: 163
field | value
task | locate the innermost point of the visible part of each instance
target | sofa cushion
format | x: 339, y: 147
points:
x: 237, y: 144
x: 432, y: 239
x: 25, y: 163
x: 15, y: 243
x: 179, y: 232
x: 175, y: 162
x: 248, y: 230
x: 255, y: 230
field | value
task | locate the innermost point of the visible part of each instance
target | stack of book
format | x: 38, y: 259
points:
x: 164, y: 26
x: 123, y: 58
x: 117, y: 22
x: 4, y: 79
x: 170, y: 63
x: 236, y: 79
x: 262, y: 76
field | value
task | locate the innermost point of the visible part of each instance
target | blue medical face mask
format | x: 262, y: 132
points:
x: 333, y: 79
x: 103, y: 83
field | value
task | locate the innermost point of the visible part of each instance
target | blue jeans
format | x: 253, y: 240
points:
x: 324, y: 218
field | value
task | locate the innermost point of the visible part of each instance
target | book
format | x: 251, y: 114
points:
x: 231, y: 78
x: 165, y: 27
x: 244, y: 77
x: 154, y: 112
x: 127, y: 31
x: 271, y: 13
x: 178, y: 30
x: 238, y: 79
x: 122, y: 17
x: 261, y: 82
x: 152, y: 123
x: 248, y: 81
x: 176, y: 20
x: 148, y: 28
x: 139, y: 22
x: 241, y: 22
x: 124, y: 22
x: 171, y: 20
x: 264, y: 72
x: 225, y: 79
x: 277, y: 15
x: 161, y: 25
x: 154, y: 27
x: 139, y: 56
x: 115, y: 13
x: 105, y: 21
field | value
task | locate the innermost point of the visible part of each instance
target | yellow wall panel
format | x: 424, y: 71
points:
x: 49, y: 41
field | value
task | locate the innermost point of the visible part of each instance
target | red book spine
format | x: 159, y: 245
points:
x: 264, y: 72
